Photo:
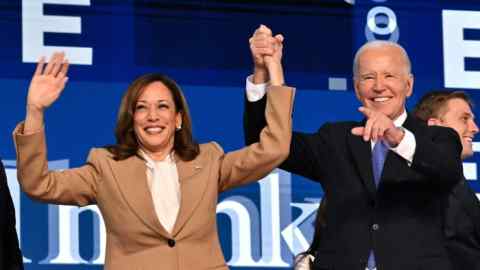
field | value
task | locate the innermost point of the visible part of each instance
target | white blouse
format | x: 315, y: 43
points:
x: 162, y: 178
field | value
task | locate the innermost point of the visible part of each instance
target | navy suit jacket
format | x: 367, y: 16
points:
x: 10, y: 255
x: 462, y: 227
x: 402, y: 220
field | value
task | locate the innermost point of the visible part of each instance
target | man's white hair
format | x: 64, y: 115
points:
x: 379, y: 44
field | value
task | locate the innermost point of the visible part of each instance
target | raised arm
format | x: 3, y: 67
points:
x: 46, y: 86
x: 71, y: 186
x: 257, y: 160
x: 260, y: 158
x: 301, y: 159
x: 265, y: 49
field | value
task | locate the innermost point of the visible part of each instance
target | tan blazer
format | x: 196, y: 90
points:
x: 136, y: 239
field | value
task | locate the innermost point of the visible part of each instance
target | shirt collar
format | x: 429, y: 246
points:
x: 401, y: 119
x: 150, y: 162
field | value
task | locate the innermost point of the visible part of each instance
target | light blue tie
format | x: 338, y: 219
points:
x: 379, y: 154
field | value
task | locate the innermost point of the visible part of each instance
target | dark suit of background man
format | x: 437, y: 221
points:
x: 10, y: 255
x: 397, y: 223
x: 462, y: 213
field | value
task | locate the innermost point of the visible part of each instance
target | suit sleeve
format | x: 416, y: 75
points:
x: 255, y: 161
x: 467, y: 198
x: 304, y: 158
x: 437, y: 154
x: 71, y: 186
x: 13, y: 256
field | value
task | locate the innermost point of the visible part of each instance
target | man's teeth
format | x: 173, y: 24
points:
x: 468, y: 139
x: 381, y: 99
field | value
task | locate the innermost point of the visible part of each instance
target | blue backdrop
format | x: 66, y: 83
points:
x: 204, y: 46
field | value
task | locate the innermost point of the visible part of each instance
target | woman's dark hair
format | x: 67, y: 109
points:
x: 127, y: 144
x: 320, y: 224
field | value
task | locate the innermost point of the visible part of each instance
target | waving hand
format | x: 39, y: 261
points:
x: 48, y: 81
x: 46, y: 86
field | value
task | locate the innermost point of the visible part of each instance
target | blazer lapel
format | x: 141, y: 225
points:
x: 192, y: 189
x: 362, y: 154
x: 131, y: 178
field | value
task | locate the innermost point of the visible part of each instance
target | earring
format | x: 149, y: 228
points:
x: 178, y: 128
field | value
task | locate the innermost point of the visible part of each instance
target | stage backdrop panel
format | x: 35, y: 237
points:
x: 204, y: 46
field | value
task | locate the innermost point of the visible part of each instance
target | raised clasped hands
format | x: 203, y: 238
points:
x: 267, y: 56
x: 48, y: 82
x: 378, y: 127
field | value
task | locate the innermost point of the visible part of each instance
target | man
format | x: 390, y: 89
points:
x: 462, y: 216
x: 10, y: 255
x: 383, y: 178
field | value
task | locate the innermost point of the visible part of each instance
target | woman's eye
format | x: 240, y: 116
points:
x: 139, y: 107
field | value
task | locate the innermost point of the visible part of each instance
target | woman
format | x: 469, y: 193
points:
x: 156, y: 188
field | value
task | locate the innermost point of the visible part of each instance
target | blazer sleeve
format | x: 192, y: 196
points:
x: 71, y: 186
x: 304, y: 158
x: 255, y: 161
x: 12, y: 254
x: 469, y: 202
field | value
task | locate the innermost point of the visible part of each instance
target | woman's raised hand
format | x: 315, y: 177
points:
x: 48, y: 82
x: 46, y: 86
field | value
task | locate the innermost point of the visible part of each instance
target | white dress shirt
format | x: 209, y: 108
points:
x: 162, y: 179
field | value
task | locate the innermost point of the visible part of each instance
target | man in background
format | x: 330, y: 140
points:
x: 462, y: 216
x: 10, y: 255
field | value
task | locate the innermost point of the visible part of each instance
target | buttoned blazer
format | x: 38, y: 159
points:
x: 135, y: 237
x: 10, y: 255
x: 402, y: 220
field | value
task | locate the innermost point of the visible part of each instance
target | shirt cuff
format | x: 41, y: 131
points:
x: 406, y: 148
x: 255, y: 92
x: 302, y: 262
